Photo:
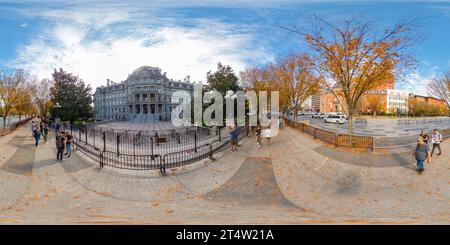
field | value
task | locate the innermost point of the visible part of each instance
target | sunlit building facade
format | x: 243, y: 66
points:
x: 146, y: 95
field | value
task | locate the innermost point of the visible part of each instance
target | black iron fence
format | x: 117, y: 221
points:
x: 362, y: 141
x: 154, y: 149
x: 336, y: 139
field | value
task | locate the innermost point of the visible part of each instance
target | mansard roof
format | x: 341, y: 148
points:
x: 146, y: 72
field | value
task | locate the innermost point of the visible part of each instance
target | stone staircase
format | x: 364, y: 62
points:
x: 142, y: 118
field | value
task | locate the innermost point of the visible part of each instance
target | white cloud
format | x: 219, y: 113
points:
x: 24, y: 25
x: 416, y: 81
x: 112, y: 43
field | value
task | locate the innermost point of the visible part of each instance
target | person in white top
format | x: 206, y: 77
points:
x: 436, y: 139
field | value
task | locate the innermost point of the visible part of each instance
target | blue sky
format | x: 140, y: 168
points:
x: 108, y: 39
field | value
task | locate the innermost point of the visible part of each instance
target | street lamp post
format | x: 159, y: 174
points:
x: 57, y: 106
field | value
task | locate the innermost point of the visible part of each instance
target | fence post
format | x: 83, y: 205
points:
x: 162, y: 165
x: 118, y: 142
x: 101, y: 159
x: 220, y: 135
x: 151, y: 141
x: 104, y: 141
x: 79, y: 134
x: 134, y: 146
x: 94, y: 136
x: 195, y: 140
x: 75, y: 143
x: 85, y: 135
x: 372, y: 147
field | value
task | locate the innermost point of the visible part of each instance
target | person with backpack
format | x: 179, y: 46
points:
x: 69, y: 139
x: 436, y: 140
x: 37, y: 136
x: 424, y: 136
x: 41, y: 126
x: 60, y: 145
x: 33, y: 128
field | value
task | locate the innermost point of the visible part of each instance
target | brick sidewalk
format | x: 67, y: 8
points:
x: 294, y: 179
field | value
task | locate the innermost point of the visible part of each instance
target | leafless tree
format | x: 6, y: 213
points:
x: 439, y: 87
x: 42, y: 95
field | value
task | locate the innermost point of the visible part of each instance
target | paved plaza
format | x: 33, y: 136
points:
x: 291, y: 180
x: 386, y: 127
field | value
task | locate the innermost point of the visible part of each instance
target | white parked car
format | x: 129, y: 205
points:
x: 335, y: 119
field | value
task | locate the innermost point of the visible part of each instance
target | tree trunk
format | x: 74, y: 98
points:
x: 350, y: 124
x: 295, y: 117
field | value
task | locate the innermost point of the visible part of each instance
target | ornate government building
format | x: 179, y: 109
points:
x: 144, y: 96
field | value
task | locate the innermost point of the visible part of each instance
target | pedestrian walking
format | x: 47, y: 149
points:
x: 57, y: 127
x: 155, y: 138
x: 33, y: 128
x: 421, y: 153
x: 41, y: 126
x: 60, y: 144
x: 233, y: 138
x: 45, y: 133
x: 424, y: 136
x: 267, y: 133
x: 258, y: 136
x: 69, y: 139
x: 37, y: 136
x: 436, y: 140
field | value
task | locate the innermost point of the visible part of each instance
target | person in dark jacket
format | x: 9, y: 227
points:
x: 60, y: 145
x: 69, y: 140
x: 37, y: 135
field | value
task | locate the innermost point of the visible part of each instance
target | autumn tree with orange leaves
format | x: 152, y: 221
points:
x: 355, y: 58
x: 295, y: 79
x: 292, y: 76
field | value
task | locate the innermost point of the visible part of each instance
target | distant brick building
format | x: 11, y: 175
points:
x: 315, y: 102
x: 384, y: 99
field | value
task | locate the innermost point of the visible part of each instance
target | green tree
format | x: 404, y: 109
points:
x: 222, y: 80
x: 72, y: 94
